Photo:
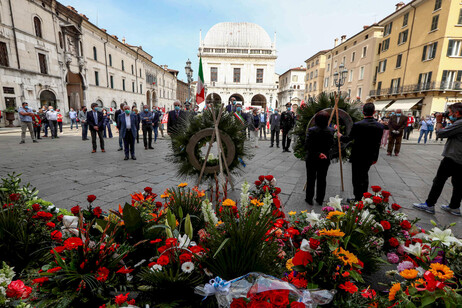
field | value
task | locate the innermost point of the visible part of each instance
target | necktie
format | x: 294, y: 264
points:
x: 95, y: 115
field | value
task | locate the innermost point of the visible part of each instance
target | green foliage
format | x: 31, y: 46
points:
x: 306, y: 112
x: 185, y: 201
x: 11, y: 184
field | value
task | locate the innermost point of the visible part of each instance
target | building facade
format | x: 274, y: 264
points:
x: 314, y: 78
x: 52, y: 55
x: 238, y: 61
x: 292, y: 87
x: 182, y: 91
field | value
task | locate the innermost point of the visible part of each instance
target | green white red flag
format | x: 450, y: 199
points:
x: 200, y: 92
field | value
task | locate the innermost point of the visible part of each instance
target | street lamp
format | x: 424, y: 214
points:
x: 290, y: 94
x: 189, y: 74
x: 340, y: 76
x: 271, y: 100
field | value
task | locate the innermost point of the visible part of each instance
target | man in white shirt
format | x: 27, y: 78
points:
x: 52, y: 117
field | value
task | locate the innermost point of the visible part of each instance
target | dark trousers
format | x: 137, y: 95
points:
x: 147, y: 135
x: 53, y: 128
x: 360, y: 177
x: 316, y: 173
x: 138, y: 135
x: 263, y: 129
x: 84, y: 131
x: 45, y: 129
x: 93, y: 138
x: 37, y: 132
x: 60, y: 125
x: 109, y: 131
x: 285, y: 140
x: 448, y: 168
x: 129, y: 143
x: 156, y: 132
x: 394, y: 141
x: 407, y: 132
x: 275, y: 132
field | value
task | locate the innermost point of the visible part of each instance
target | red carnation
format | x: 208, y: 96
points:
x: 349, y: 287
x: 386, y: 194
x: 395, y: 206
x: 171, y: 242
x: 97, y: 211
x: 36, y: 207
x: 277, y: 202
x: 269, y: 178
x: 58, y: 249
x: 91, y: 198
x: 124, y: 270
x: 314, y: 243
x: 385, y: 224
x: 102, y: 274
x: 56, y: 236
x: 238, y: 303
x: 51, y: 225
x: 120, y: 299
x: 40, y: 281
x: 75, y: 210
x: 148, y: 190
x: 368, y: 293
x: 367, y: 195
x: 163, y: 260
x: 376, y: 199
x: 54, y: 269
x: 277, y: 190
x: 185, y: 257
x: 159, y: 204
x: 302, y: 258
x: 14, y: 198
x: 297, y: 305
x: 360, y: 205
x: 376, y: 188
x: 265, y: 188
x: 261, y: 178
x: 73, y: 243
x: 257, y: 183
x: 393, y: 242
x: 406, y: 225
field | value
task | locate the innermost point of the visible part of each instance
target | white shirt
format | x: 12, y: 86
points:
x: 52, y: 115
x: 128, y: 121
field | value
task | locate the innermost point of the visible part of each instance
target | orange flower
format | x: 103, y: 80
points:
x: 229, y: 202
x: 419, y: 283
x: 345, y: 256
x: 441, y: 271
x: 393, y: 290
x: 332, y: 232
x: 256, y: 202
x: 409, y: 273
x: 289, y: 264
x: 335, y: 213
x: 181, y: 185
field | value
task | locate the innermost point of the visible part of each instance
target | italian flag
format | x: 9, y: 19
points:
x: 200, y: 94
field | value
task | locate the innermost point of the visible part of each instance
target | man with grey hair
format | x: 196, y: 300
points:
x: 146, y: 126
x: 25, y: 115
x: 174, y: 117
x: 396, y: 125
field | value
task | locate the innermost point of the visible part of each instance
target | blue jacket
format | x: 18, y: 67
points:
x: 133, y: 124
x: 146, y: 118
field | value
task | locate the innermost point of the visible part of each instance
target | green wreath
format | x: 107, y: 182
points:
x: 191, y: 136
x: 315, y: 104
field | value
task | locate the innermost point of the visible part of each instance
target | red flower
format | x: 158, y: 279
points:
x: 36, y: 207
x: 257, y: 183
x: 269, y: 178
x: 265, y: 188
x: 260, y: 304
x: 51, y: 225
x: 238, y: 303
x: 376, y: 188
x: 376, y: 199
x: 393, y: 242
x: 185, y: 257
x: 131, y: 302
x: 349, y: 287
x: 124, y: 270
x: 101, y: 274
x: 280, y: 298
x: 73, y: 243
x: 60, y: 217
x: 54, y: 269
x: 58, y: 249
x: 277, y: 203
x: 367, y: 195
x: 368, y: 293
x: 40, y: 281
x: 277, y: 190
x: 292, y: 232
x: 261, y: 178
x: 314, y: 243
x: 14, y: 198
x: 159, y: 204
x: 196, y: 249
x: 91, y: 198
x: 360, y: 205
x: 297, y: 305
x: 156, y: 241
x: 148, y: 190
x: 43, y: 215
x: 395, y: 206
x: 17, y: 289
x: 97, y: 211
x: 385, y: 224
x: 120, y: 299
x: 386, y: 194
x: 75, y: 210
x: 163, y: 260
x: 406, y: 225
x: 302, y: 258
x: 56, y: 236
x: 171, y: 242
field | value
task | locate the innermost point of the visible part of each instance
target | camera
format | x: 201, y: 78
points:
x: 445, y: 114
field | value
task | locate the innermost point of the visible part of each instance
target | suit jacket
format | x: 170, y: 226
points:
x: 394, y: 124
x: 318, y: 140
x: 91, y: 120
x: 156, y: 118
x: 287, y: 120
x: 252, y: 121
x: 230, y: 108
x: 366, y: 135
x: 173, y: 119
x: 133, y: 124
x: 275, y: 122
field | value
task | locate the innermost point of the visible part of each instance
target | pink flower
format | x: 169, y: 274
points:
x: 405, y: 265
x: 392, y: 258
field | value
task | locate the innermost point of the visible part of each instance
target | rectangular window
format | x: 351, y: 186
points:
x: 435, y: 22
x: 314, y: 86
x: 455, y: 48
x: 141, y: 88
x: 259, y: 75
x: 123, y: 84
x: 429, y: 51
x: 237, y: 74
x: 328, y: 67
x: 364, y: 54
x: 344, y: 60
x: 213, y: 74
x: 387, y: 29
x: 437, y: 4
x: 460, y: 18
x: 133, y: 87
x: 382, y: 66
x: 398, y: 60
x: 403, y: 37
x: 123, y: 66
x: 386, y: 44
x: 110, y: 60
x: 350, y: 77
x: 133, y: 72
x: 425, y: 80
x: 395, y: 83
x: 3, y: 55
x: 451, y: 80
x: 326, y: 82
x: 140, y: 72
x: 379, y: 87
x: 43, y: 63
x: 360, y: 92
x: 111, y: 78
x: 405, y: 19
x: 361, y: 73
x: 96, y: 78
x: 353, y: 54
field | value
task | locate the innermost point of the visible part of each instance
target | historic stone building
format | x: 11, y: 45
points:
x: 52, y: 55
x: 291, y: 87
x: 182, y: 91
x: 238, y: 61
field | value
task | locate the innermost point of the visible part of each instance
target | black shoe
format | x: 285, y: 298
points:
x: 22, y: 142
x: 319, y: 202
x: 86, y: 139
x: 34, y: 141
x: 277, y: 146
x: 145, y: 148
x: 310, y: 202
x: 126, y: 158
x: 39, y: 138
x: 133, y: 157
x: 120, y: 149
x: 151, y: 148
x: 288, y: 151
x: 271, y: 146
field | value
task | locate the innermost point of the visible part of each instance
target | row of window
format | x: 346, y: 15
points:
x: 95, y: 57
x: 240, y: 51
x: 353, y: 58
x: 311, y: 75
x: 313, y: 63
x: 236, y: 75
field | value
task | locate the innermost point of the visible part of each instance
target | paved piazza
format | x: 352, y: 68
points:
x: 65, y: 172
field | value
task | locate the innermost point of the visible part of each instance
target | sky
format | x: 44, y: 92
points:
x: 169, y: 29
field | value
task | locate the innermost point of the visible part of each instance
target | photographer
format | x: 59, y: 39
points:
x: 451, y: 166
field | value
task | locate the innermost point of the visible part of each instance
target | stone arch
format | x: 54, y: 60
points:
x: 259, y: 100
x: 75, y: 86
x: 48, y: 98
x: 100, y: 103
x: 213, y: 97
x: 239, y: 98
x: 154, y: 98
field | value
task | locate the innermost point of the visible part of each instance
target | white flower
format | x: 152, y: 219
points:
x: 207, y: 272
x: 187, y: 267
x: 414, y: 249
x: 313, y: 218
x: 183, y: 240
x: 156, y: 268
x: 335, y: 202
x: 305, y: 246
x: 366, y: 215
x: 273, y: 182
x: 420, y: 270
x: 209, y: 214
x: 367, y: 201
x: 445, y: 237
x: 52, y: 209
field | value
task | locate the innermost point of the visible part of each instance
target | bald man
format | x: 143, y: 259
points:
x: 396, y: 125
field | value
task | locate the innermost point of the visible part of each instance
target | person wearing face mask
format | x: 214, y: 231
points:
x: 96, y: 124
x: 25, y: 116
x: 107, y: 124
x: 450, y: 166
x: 263, y: 120
x: 128, y: 123
x: 424, y: 128
x: 397, y: 123
x: 275, y: 126
x: 232, y: 105
x: 83, y: 122
x: 254, y: 125
x: 146, y: 126
x: 52, y: 117
x: 287, y: 124
x: 174, y: 117
x: 73, y: 118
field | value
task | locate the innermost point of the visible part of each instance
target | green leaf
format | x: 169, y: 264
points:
x: 180, y: 212
x: 299, y: 268
x: 221, y: 246
x: 171, y: 220
x: 427, y: 300
x: 188, y: 228
x: 132, y: 218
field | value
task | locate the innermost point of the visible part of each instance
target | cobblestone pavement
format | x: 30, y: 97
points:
x: 65, y: 172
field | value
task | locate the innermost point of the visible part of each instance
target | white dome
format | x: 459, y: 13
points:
x: 237, y: 34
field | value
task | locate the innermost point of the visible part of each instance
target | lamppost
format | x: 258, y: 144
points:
x: 340, y: 77
x: 189, y: 74
x: 291, y: 91
x: 271, y: 100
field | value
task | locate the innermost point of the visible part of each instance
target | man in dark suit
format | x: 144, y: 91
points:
x: 231, y: 106
x: 116, y: 117
x: 156, y: 117
x: 95, y: 123
x: 366, y: 135
x: 275, y: 126
x: 128, y: 123
x: 397, y: 124
x: 174, y: 116
x: 287, y: 124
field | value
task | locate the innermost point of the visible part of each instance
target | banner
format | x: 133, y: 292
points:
x: 164, y: 119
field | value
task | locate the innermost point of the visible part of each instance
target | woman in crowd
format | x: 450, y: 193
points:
x: 60, y: 121
x: 107, y: 124
x: 254, y: 125
x: 425, y: 124
x: 386, y: 130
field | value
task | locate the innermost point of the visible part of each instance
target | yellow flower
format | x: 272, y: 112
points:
x: 418, y: 283
x: 335, y: 213
x: 200, y: 194
x: 303, y: 211
x: 332, y: 232
x: 409, y: 273
x: 219, y: 223
x: 289, y: 264
x: 229, y: 202
x: 291, y: 213
x: 345, y: 256
x: 182, y: 185
x: 393, y: 290
x: 165, y: 196
x: 441, y: 271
